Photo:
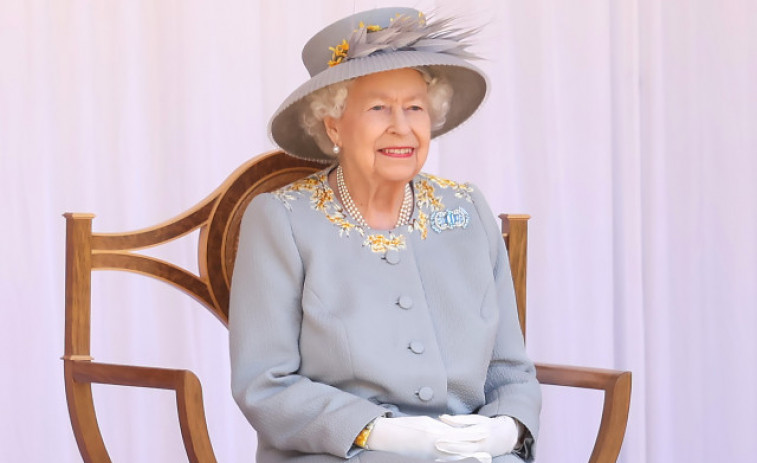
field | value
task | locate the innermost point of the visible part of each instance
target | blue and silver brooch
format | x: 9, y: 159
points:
x: 449, y: 219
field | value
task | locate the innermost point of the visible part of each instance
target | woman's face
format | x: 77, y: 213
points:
x: 385, y: 129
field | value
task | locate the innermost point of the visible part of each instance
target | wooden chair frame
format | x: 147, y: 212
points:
x: 217, y: 217
x: 615, y: 384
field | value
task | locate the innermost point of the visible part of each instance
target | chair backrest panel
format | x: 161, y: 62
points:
x: 219, y: 241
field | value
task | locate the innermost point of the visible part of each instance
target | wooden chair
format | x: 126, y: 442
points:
x: 218, y: 218
x: 615, y: 384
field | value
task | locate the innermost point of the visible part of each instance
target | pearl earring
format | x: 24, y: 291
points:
x: 336, y: 149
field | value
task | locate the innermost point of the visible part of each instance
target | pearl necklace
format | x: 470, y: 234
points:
x: 349, y: 204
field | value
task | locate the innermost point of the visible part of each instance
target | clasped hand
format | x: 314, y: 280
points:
x: 450, y: 438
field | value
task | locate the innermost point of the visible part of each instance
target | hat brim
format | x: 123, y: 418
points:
x: 469, y: 86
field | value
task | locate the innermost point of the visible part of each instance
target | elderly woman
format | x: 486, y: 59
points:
x: 372, y: 310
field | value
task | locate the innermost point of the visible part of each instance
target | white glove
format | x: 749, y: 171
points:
x: 417, y: 436
x: 501, y: 431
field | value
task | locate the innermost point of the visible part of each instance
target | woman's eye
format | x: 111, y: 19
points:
x: 416, y: 108
x: 378, y: 107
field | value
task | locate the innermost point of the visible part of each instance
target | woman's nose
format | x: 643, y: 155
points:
x: 399, y: 122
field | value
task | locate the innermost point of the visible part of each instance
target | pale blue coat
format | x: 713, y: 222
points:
x: 332, y: 326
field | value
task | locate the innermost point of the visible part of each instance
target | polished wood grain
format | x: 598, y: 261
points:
x: 617, y: 399
x: 616, y: 385
x: 188, y: 390
x: 515, y: 234
x: 218, y: 218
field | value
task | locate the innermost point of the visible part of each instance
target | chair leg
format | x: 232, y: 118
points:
x: 194, y: 431
x: 617, y: 389
x: 81, y: 409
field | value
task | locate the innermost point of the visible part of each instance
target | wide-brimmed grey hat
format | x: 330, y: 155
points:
x: 373, y: 41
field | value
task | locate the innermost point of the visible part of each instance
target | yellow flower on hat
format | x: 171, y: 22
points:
x: 370, y: 28
x: 339, y: 53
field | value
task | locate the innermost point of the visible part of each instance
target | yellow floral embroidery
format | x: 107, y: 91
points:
x: 322, y: 198
x: 380, y: 243
x: 424, y: 193
x: 421, y: 224
x: 462, y: 190
x: 310, y: 183
x: 344, y: 225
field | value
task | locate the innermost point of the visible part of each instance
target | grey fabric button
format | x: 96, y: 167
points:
x: 405, y: 302
x: 392, y: 256
x: 426, y: 393
x: 417, y: 347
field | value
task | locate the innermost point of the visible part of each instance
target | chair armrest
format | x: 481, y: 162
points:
x: 617, y: 389
x: 188, y: 389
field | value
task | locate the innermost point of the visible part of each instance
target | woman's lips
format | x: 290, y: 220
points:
x: 398, y: 152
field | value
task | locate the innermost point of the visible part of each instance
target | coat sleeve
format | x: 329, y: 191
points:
x: 288, y: 410
x: 511, y: 385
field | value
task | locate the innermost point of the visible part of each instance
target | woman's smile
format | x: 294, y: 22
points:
x: 397, y: 151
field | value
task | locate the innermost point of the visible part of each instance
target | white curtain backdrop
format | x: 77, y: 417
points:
x: 626, y: 128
